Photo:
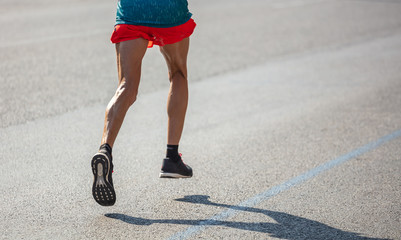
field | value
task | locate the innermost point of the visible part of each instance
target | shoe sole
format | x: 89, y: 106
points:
x: 102, y: 190
x: 172, y: 175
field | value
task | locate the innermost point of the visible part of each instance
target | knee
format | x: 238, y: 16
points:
x: 125, y: 95
x: 178, y: 74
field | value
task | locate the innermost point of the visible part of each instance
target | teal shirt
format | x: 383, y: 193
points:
x: 153, y: 13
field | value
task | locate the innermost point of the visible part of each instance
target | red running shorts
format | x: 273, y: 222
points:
x: 158, y: 36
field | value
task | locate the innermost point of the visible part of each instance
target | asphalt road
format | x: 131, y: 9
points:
x: 293, y: 126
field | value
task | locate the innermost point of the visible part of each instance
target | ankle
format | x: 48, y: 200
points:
x: 105, y: 148
x: 172, y: 152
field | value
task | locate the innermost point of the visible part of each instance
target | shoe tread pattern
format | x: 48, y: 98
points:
x: 102, y: 189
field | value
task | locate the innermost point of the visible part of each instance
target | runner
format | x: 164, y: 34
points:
x: 140, y: 24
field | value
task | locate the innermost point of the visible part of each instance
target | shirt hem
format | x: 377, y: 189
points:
x: 150, y: 24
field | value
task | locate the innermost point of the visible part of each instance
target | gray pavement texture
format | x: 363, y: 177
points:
x: 277, y: 87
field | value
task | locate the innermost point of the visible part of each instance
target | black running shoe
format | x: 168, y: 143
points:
x: 102, y: 168
x: 175, y: 169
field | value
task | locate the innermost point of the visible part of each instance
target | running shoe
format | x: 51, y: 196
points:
x: 102, y: 189
x: 175, y: 169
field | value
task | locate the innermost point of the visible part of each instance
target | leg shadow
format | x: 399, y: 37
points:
x: 287, y: 226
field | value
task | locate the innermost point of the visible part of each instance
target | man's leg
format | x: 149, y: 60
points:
x: 177, y: 101
x: 129, y: 60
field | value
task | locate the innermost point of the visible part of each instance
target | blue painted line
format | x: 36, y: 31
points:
x: 251, y: 202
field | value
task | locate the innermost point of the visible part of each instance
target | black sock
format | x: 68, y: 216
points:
x: 105, y: 147
x: 172, y: 152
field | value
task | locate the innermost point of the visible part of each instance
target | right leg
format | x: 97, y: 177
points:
x: 129, y: 61
x: 176, y: 58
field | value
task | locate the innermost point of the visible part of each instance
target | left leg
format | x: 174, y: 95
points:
x: 129, y: 60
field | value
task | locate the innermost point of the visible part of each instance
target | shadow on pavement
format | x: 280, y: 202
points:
x: 286, y: 227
